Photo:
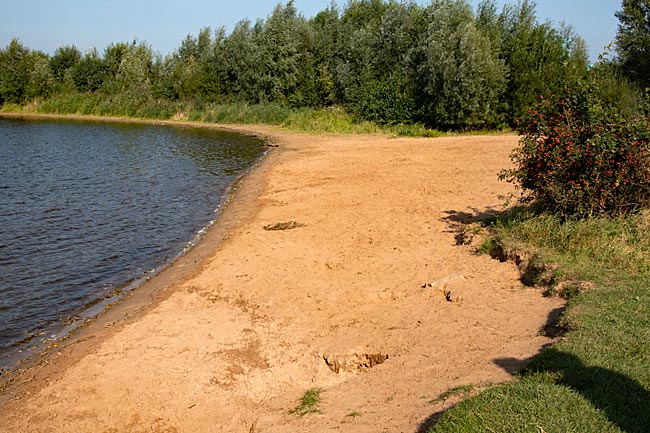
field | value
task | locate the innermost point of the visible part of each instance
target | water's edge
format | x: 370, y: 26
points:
x: 125, y: 301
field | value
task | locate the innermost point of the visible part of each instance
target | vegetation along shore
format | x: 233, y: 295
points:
x: 372, y: 283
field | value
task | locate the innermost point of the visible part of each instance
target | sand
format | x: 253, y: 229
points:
x: 232, y: 336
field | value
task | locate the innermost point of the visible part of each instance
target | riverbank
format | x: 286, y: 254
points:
x: 335, y: 302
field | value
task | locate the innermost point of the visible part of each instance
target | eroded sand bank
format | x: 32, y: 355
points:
x: 270, y: 314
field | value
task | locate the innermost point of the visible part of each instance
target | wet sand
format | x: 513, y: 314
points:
x: 231, y: 335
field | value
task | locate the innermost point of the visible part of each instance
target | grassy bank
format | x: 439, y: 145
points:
x: 315, y: 120
x: 597, y: 379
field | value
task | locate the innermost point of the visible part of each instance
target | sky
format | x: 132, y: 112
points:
x: 46, y: 25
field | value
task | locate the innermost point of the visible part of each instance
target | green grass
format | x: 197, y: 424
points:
x: 11, y: 108
x: 331, y: 120
x: 461, y: 390
x: 308, y: 403
x: 597, y: 379
x: 591, y: 249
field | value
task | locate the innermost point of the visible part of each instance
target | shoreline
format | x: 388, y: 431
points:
x: 336, y: 302
x: 136, y: 296
x: 244, y: 129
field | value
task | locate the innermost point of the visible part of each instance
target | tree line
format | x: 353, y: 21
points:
x: 445, y: 65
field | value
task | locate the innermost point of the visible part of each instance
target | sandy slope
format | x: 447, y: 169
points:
x: 233, y: 345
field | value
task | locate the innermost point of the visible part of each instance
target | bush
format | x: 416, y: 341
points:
x: 578, y: 157
x: 384, y: 102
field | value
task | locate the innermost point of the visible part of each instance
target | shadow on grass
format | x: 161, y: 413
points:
x: 552, y: 329
x: 624, y: 401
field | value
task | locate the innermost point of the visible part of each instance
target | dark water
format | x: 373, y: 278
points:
x: 87, y: 208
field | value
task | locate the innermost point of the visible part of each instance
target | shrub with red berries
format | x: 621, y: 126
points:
x: 578, y: 157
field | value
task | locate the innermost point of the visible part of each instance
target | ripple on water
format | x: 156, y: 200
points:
x: 87, y: 208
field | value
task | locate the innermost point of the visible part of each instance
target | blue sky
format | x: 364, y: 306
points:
x: 47, y: 24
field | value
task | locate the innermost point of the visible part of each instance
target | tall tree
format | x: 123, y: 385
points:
x: 462, y: 75
x: 90, y: 72
x: 62, y: 63
x: 540, y: 58
x: 326, y: 29
x: 41, y: 81
x: 129, y: 68
x: 279, y: 54
x: 23, y: 74
x: 633, y: 40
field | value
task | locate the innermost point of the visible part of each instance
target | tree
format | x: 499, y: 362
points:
x: 326, y: 30
x: 90, y: 72
x: 41, y: 81
x: 15, y: 72
x: 129, y: 67
x: 278, y: 42
x: 374, y: 70
x: 633, y: 40
x: 239, y: 57
x: 187, y: 66
x: 539, y: 58
x: 462, y: 75
x: 62, y: 63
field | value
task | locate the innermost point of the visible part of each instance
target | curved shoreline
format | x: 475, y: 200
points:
x: 337, y: 302
x: 141, y: 293
x: 241, y: 129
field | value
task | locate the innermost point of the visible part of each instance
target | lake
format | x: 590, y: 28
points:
x: 90, y: 209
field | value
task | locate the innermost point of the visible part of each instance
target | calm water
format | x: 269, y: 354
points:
x: 87, y: 208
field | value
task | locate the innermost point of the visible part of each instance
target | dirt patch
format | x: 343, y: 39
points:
x: 282, y: 226
x: 233, y: 344
x: 534, y: 272
x: 355, y: 362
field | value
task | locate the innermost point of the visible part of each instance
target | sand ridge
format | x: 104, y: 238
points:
x: 334, y: 301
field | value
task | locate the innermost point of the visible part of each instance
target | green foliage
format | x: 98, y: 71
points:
x: 278, y: 55
x: 308, y: 403
x: 13, y: 72
x: 540, y: 59
x: 388, y: 62
x: 606, y: 245
x: 383, y: 102
x: 129, y: 69
x: 41, y: 82
x: 633, y: 40
x: 613, y: 89
x: 578, y: 157
x: 24, y: 74
x: 63, y: 62
x: 596, y: 378
x: 460, y: 390
x: 463, y: 77
x: 374, y: 71
x: 89, y: 73
x: 325, y: 29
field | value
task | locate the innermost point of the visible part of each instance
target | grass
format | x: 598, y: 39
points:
x: 330, y: 120
x: 308, y: 403
x: 597, y: 379
x: 461, y: 390
x: 590, y: 249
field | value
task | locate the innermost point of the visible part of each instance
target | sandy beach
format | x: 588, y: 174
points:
x: 232, y: 335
